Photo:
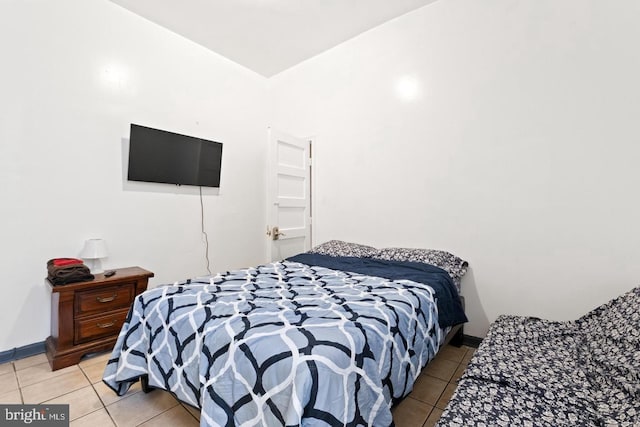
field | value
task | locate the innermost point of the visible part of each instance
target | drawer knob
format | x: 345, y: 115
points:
x: 107, y: 299
x: 105, y: 325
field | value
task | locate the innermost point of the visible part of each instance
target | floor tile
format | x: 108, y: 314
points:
x: 449, y: 352
x: 6, y: 368
x: 411, y: 413
x: 108, y: 396
x: 428, y: 389
x: 176, y: 416
x: 140, y: 407
x: 441, y: 368
x: 98, y: 418
x: 54, y: 387
x: 81, y: 402
x: 433, y: 418
x: 458, y: 373
x: 11, y: 397
x: 94, y: 372
x: 467, y: 357
x: 446, y: 396
x: 40, y: 372
x: 95, y: 358
x: 8, y: 382
x: 193, y: 411
x: 30, y: 361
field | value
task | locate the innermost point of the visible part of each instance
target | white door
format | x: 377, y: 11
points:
x: 288, y: 195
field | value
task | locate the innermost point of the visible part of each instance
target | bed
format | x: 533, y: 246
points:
x: 335, y: 336
x: 536, y: 372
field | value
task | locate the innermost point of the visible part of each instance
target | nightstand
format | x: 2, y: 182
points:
x: 86, y: 317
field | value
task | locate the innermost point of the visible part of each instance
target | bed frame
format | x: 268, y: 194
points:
x: 455, y: 336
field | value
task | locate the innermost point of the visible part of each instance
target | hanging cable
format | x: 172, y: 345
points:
x: 204, y: 233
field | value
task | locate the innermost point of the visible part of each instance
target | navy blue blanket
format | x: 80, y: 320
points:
x: 450, y: 311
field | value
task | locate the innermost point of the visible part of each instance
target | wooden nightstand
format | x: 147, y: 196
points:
x: 86, y: 317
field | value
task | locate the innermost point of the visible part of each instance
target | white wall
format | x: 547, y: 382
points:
x: 74, y: 74
x: 519, y: 151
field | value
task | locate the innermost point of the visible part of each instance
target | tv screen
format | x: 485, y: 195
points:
x: 160, y: 156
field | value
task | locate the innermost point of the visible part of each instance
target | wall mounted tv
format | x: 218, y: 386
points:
x: 160, y: 156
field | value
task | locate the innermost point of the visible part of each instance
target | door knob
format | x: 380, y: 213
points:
x: 274, y: 232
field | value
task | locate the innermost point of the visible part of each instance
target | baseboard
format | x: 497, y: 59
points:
x: 471, y: 341
x: 22, y: 352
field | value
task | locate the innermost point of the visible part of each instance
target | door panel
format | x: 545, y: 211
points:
x: 291, y: 186
x: 289, y: 195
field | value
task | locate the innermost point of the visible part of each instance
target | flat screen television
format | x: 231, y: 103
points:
x: 160, y: 156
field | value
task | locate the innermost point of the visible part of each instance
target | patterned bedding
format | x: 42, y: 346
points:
x: 281, y: 344
x: 533, y: 372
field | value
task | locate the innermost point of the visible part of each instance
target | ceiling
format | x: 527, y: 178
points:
x: 269, y: 36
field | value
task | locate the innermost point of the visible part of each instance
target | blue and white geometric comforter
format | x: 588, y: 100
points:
x: 280, y: 344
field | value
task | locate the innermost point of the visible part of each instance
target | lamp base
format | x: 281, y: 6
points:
x: 95, y: 265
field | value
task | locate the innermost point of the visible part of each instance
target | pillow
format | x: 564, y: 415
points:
x: 340, y: 248
x: 455, y: 266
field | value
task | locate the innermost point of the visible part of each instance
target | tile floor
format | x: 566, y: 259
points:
x: 91, y: 403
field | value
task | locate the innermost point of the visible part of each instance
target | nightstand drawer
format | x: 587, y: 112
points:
x: 86, y: 317
x: 104, y: 299
x: 99, y: 326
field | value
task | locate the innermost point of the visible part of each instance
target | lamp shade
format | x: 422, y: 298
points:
x: 94, y: 249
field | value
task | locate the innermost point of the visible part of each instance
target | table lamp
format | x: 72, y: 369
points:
x: 94, y: 250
